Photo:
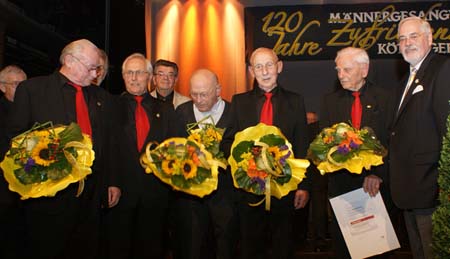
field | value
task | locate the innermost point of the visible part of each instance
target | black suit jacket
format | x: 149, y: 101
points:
x: 6, y: 196
x: 416, y: 135
x: 50, y: 98
x: 288, y: 114
x: 135, y: 183
x: 376, y: 114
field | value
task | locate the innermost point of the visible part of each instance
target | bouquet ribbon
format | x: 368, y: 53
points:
x: 208, y: 185
x: 260, y: 135
x: 80, y: 169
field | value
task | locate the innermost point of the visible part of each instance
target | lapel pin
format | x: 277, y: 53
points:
x: 369, y: 106
x: 157, y: 115
x: 99, y: 104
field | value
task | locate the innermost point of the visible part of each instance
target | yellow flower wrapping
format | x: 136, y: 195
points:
x: 364, y: 159
x: 81, y: 167
x: 200, y: 190
x: 298, y: 166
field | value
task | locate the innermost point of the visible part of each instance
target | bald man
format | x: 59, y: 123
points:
x: 66, y: 226
x: 289, y: 116
x: 195, y: 215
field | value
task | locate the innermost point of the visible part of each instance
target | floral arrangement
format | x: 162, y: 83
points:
x: 262, y: 163
x: 344, y: 147
x: 183, y: 164
x: 46, y: 159
x: 210, y: 136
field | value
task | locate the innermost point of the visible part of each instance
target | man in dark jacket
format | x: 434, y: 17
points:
x: 67, y: 226
x: 416, y: 136
x: 196, y: 217
x: 352, y: 67
x: 137, y: 226
x: 288, y: 114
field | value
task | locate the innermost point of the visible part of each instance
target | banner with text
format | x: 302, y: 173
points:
x: 312, y: 32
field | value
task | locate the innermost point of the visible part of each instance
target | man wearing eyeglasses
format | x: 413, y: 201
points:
x: 196, y: 218
x: 10, y: 220
x: 102, y: 69
x: 137, y: 225
x: 165, y: 77
x: 417, y: 130
x: 66, y: 226
x: 256, y: 224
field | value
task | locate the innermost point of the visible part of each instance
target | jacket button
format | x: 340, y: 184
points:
x: 392, y: 133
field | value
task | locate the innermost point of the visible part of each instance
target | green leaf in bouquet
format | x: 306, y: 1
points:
x: 273, y: 140
x: 242, y: 178
x: 179, y: 181
x: 202, y: 174
x: 286, y: 177
x: 242, y: 148
x: 70, y: 133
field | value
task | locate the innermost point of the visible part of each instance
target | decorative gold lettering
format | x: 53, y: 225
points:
x: 284, y: 24
x: 441, y: 34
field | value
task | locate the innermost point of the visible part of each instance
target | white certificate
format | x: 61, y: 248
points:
x: 364, y: 223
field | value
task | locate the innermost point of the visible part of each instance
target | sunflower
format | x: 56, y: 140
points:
x: 41, y: 153
x: 168, y: 166
x: 189, y: 169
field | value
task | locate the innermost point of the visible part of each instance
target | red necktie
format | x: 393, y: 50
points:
x: 266, y: 111
x: 142, y: 123
x: 82, y: 110
x: 356, y: 111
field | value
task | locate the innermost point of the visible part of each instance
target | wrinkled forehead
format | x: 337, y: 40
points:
x: 345, y: 61
x: 263, y: 57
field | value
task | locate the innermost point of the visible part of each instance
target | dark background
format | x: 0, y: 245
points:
x: 35, y: 32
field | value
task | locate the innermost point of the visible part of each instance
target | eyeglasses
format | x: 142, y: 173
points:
x: 169, y: 75
x: 89, y: 68
x: 413, y: 37
x: 12, y: 83
x: 269, y: 66
x: 138, y: 73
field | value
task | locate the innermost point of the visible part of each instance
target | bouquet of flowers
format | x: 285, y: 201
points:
x: 46, y: 159
x: 262, y: 163
x: 183, y: 164
x: 344, y: 147
x: 210, y: 136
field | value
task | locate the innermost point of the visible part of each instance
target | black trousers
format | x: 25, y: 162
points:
x: 206, y: 227
x: 266, y: 234
x: 138, y: 231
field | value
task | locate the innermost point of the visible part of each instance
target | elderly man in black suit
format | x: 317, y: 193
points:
x: 67, y: 226
x: 352, y: 67
x: 10, y: 220
x: 417, y: 129
x: 288, y: 114
x: 196, y: 218
x: 136, y: 227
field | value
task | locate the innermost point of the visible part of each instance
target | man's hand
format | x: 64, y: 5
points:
x: 113, y: 196
x: 301, y: 198
x: 372, y: 184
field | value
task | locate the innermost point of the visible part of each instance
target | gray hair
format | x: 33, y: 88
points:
x: 11, y: 69
x: 148, y: 64
x: 359, y: 55
x: 424, y: 25
x: 75, y: 48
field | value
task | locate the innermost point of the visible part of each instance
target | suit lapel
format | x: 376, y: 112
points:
x: 418, y: 80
